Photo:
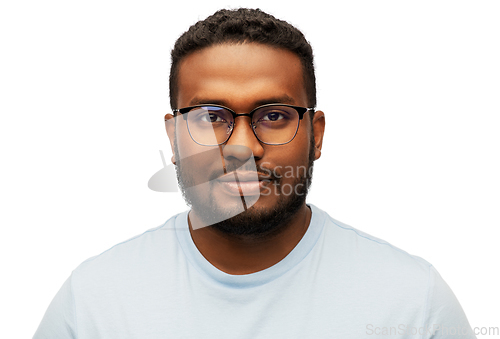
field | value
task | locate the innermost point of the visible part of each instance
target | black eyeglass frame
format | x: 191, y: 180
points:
x: 300, y: 110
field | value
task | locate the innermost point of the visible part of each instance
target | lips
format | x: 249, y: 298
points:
x: 243, y: 183
x: 243, y: 176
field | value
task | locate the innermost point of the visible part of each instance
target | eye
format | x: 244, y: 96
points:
x: 212, y: 118
x: 272, y: 116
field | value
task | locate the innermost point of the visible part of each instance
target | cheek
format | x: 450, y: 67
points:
x: 297, y: 151
x: 190, y: 150
x: 291, y: 159
x: 198, y: 162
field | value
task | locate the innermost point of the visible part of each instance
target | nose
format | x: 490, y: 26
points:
x: 243, y: 142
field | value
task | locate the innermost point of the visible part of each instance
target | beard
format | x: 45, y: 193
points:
x: 253, y: 222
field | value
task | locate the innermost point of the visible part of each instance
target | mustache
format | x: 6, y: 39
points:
x: 225, y: 166
x: 272, y: 174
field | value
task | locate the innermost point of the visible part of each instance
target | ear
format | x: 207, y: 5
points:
x: 318, y: 130
x: 170, y: 127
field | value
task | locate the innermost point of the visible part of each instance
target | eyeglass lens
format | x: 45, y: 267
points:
x: 210, y: 125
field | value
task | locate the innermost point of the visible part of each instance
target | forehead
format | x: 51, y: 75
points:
x: 240, y: 76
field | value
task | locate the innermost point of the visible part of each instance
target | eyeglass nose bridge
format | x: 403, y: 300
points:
x: 232, y: 124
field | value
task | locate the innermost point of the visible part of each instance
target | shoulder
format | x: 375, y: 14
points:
x: 370, y: 246
x: 362, y: 256
x: 137, y: 254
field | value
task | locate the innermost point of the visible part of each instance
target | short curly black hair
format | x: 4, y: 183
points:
x: 241, y: 26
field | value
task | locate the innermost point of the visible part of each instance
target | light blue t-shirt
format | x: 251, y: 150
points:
x: 337, y: 282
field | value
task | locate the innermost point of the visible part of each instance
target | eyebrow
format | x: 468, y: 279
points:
x: 283, y: 99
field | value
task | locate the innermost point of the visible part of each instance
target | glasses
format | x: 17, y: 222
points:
x: 212, y: 125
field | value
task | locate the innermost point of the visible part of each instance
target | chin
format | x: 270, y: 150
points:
x: 261, y: 220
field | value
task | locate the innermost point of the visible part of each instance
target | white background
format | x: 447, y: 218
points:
x: 411, y: 151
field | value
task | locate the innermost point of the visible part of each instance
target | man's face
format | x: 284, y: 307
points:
x: 243, y: 77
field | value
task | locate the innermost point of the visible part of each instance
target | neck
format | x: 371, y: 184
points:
x: 238, y: 254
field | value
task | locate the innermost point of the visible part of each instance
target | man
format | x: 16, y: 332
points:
x: 250, y: 259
